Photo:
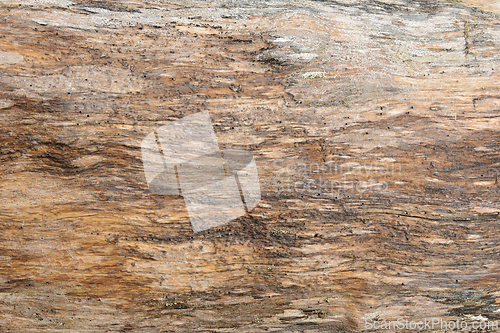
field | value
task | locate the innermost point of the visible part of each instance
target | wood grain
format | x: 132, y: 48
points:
x: 374, y: 126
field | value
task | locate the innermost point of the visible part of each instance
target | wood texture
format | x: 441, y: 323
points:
x: 374, y: 125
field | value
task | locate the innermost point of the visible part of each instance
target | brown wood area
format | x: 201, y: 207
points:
x: 375, y: 127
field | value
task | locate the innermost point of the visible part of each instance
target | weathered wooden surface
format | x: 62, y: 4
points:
x: 379, y: 173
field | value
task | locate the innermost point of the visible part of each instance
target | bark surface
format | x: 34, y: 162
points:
x: 375, y: 128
